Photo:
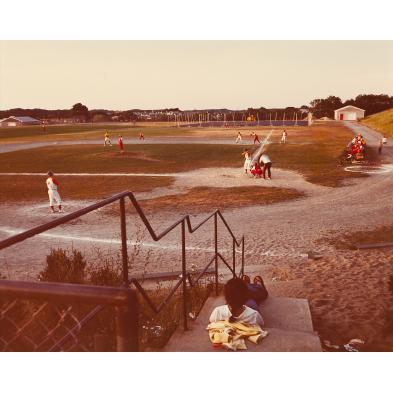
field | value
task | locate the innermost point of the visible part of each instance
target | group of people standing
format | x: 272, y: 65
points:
x: 254, y: 135
x: 257, y: 167
x: 256, y: 139
x: 120, y: 143
x: 356, y: 148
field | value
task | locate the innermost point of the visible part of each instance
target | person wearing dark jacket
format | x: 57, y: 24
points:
x: 257, y: 292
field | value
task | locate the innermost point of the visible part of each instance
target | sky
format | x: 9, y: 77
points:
x: 121, y: 75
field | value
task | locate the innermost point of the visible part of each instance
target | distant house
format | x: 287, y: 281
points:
x: 17, y: 121
x: 349, y: 112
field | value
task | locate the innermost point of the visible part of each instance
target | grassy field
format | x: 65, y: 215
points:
x: 25, y: 189
x: 207, y: 199
x: 382, y: 122
x: 314, y: 152
x: 136, y: 158
x: 86, y: 131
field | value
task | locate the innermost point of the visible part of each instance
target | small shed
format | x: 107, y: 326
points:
x: 349, y: 112
x: 16, y: 121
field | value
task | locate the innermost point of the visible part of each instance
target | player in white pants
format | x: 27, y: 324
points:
x: 284, y: 137
x: 53, y: 194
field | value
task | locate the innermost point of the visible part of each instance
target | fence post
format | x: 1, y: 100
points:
x: 184, y: 273
x: 216, y: 252
x: 242, y: 270
x: 123, y: 231
x: 127, y: 325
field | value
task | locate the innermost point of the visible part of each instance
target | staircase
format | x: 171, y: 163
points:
x: 288, y: 321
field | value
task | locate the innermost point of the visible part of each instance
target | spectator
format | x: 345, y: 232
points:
x: 236, y: 294
x: 257, y: 291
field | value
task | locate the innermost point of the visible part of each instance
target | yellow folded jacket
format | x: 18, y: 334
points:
x: 231, y: 335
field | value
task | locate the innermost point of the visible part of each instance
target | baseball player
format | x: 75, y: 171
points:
x: 256, y: 138
x: 284, y: 137
x: 107, y: 140
x: 120, y: 143
x: 53, y: 194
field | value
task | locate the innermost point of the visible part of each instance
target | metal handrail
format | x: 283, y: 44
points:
x: 183, y: 222
x: 81, y: 212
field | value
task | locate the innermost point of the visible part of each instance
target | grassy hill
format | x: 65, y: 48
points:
x: 382, y: 121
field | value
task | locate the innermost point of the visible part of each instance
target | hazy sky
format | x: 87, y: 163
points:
x: 189, y: 74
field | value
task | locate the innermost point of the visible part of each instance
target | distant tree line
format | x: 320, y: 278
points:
x: 371, y: 103
x: 320, y: 107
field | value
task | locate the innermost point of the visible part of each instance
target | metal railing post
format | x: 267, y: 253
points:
x: 184, y: 273
x: 216, y: 253
x: 123, y: 230
x: 127, y: 326
x: 242, y: 270
x: 234, y: 257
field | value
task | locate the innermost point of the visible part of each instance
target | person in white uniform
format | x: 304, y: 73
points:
x: 53, y: 193
x: 284, y: 137
x: 247, y: 160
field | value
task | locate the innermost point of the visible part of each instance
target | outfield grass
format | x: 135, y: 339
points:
x: 86, y: 131
x: 382, y: 121
x: 33, y: 188
x: 136, y: 158
x: 89, y: 131
x: 314, y: 152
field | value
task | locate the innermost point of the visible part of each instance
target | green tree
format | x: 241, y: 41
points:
x: 80, y: 112
x: 372, y: 103
x: 321, y: 107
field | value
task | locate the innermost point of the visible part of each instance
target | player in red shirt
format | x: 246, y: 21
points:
x: 256, y: 170
x: 120, y: 143
x: 256, y: 137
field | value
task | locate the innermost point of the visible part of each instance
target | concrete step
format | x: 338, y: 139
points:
x: 287, y: 320
x: 287, y: 314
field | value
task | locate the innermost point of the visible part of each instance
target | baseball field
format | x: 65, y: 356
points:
x: 310, y: 201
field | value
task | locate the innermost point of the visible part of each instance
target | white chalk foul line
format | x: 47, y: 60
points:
x: 385, y: 168
x: 11, y: 231
x: 95, y: 174
x: 268, y: 253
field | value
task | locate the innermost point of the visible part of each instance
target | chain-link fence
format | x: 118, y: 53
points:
x: 67, y: 317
